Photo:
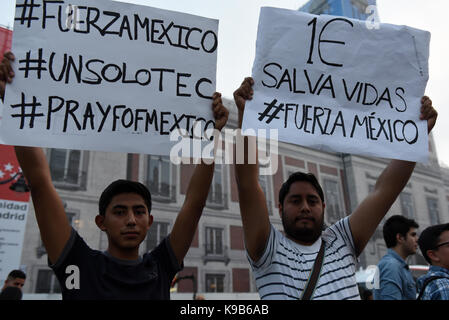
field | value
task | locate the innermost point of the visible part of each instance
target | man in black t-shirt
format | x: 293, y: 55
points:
x: 124, y: 214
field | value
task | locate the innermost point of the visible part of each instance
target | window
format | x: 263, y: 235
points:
x: 214, y: 241
x: 74, y: 221
x: 333, y: 204
x: 157, y: 232
x: 215, y: 282
x: 66, y: 166
x: 432, y: 206
x: 159, y: 177
x: 216, y: 196
x: 47, y: 282
x: 408, y: 209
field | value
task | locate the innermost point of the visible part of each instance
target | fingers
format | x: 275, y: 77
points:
x: 2, y: 89
x: 9, y: 55
x: 244, y: 92
x: 221, y: 113
x: 246, y: 89
x: 6, y: 72
x: 428, y: 112
x: 426, y: 108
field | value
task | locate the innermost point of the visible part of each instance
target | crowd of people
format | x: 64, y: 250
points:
x: 306, y: 261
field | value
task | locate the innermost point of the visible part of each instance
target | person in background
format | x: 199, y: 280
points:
x: 11, y: 293
x: 395, y: 279
x: 16, y: 278
x: 434, y: 246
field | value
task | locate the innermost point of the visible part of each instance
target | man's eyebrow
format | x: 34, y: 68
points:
x: 119, y: 206
x: 307, y: 196
x: 122, y: 206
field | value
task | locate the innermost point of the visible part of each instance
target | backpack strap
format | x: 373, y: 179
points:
x: 314, y: 274
x: 426, y: 282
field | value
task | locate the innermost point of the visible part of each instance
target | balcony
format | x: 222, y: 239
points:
x: 72, y: 184
x: 162, y: 193
x: 217, y: 200
x: 216, y: 254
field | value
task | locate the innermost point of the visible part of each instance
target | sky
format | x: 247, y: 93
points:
x: 238, y: 20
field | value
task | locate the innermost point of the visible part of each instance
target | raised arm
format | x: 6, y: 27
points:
x: 253, y: 204
x: 187, y: 220
x: 50, y: 214
x: 365, y: 219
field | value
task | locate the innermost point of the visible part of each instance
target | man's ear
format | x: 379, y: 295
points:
x: 150, y: 221
x: 399, y: 238
x: 432, y: 256
x: 280, y: 210
x: 99, y: 220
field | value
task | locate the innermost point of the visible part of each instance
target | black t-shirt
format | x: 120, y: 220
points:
x: 102, y: 276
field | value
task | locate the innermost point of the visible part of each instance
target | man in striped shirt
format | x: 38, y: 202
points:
x: 282, y: 263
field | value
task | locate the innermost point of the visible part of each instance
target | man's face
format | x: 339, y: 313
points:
x: 17, y: 282
x: 411, y: 241
x: 302, y: 213
x: 442, y: 250
x: 126, y: 221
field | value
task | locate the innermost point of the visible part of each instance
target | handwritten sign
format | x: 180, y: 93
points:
x: 111, y: 76
x: 333, y: 84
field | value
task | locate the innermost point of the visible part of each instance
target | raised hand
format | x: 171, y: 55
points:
x: 428, y: 113
x: 6, y: 73
x: 221, y: 113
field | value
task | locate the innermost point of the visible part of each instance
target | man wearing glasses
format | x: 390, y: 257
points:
x: 434, y: 245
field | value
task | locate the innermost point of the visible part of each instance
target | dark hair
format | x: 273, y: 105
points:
x: 14, y: 274
x: 300, y: 176
x: 11, y: 293
x: 429, y: 238
x: 123, y: 186
x: 394, y: 225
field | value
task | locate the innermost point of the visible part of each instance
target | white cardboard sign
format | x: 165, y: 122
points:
x: 110, y: 76
x: 337, y: 84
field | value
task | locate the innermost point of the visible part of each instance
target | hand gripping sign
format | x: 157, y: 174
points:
x: 105, y: 75
x: 333, y: 84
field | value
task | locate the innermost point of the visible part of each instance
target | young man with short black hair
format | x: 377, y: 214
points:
x: 395, y: 279
x: 125, y: 216
x: 434, y: 245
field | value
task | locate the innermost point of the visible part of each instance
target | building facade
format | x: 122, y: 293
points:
x: 348, y: 8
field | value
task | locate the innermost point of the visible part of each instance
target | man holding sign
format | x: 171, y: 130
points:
x: 124, y: 214
x: 332, y: 84
x: 283, y: 264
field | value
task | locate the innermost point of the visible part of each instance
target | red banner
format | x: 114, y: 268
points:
x: 10, y: 173
x: 5, y: 40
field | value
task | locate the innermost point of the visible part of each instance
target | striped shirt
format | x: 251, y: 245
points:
x: 284, y: 268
